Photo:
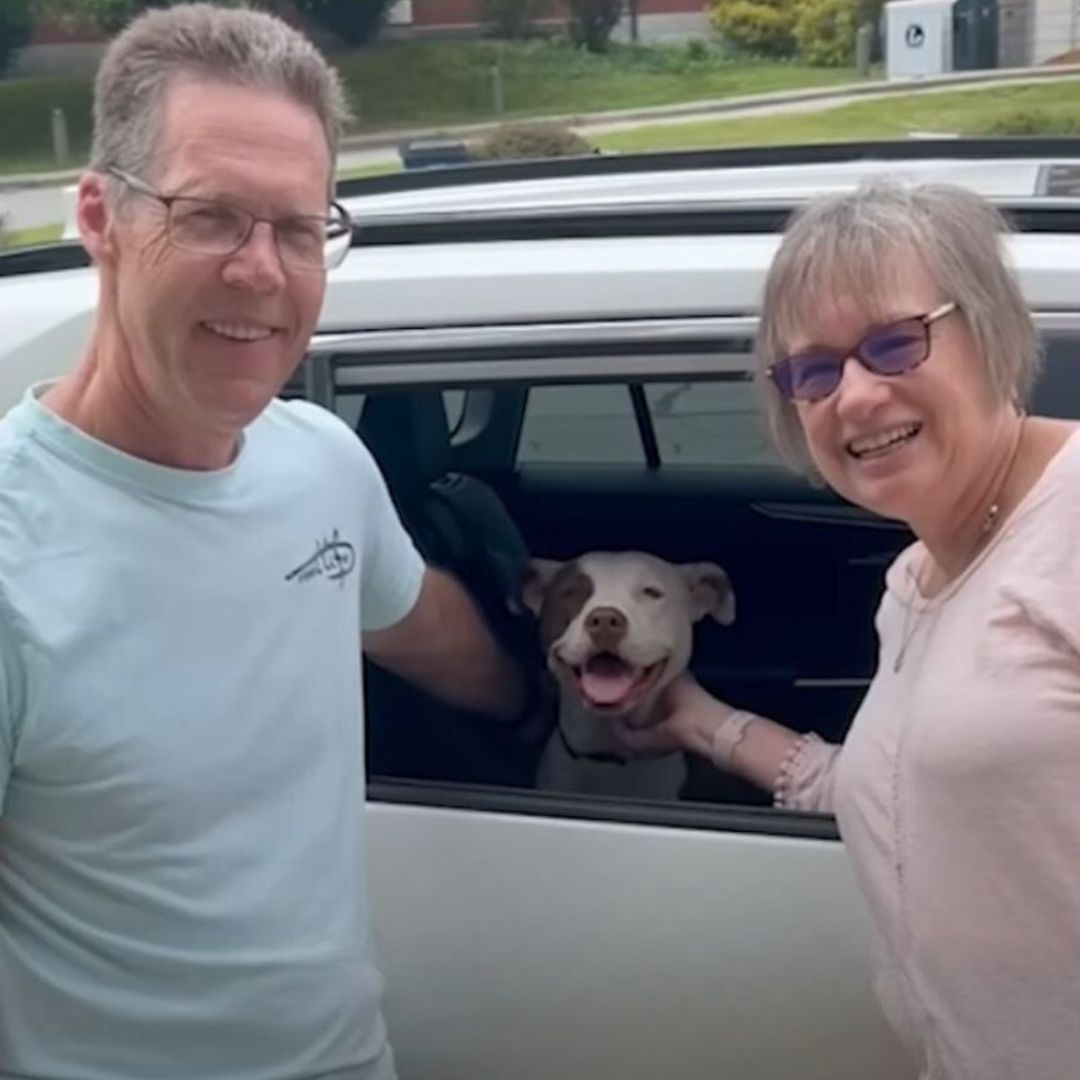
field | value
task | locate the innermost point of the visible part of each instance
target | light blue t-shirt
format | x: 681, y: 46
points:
x: 182, y: 845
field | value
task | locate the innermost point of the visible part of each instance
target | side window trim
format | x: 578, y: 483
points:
x: 646, y: 428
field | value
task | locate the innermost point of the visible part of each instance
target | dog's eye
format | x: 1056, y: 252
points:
x: 653, y: 593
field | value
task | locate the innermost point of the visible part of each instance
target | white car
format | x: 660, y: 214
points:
x: 551, y: 358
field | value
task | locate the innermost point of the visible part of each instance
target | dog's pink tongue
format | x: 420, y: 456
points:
x: 606, y: 687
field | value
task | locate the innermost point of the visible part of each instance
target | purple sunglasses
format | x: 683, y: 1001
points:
x: 893, y: 349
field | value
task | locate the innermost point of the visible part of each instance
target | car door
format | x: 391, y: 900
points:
x: 529, y: 934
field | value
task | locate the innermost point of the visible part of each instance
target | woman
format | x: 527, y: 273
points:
x: 896, y: 351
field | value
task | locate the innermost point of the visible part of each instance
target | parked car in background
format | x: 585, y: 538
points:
x: 551, y: 358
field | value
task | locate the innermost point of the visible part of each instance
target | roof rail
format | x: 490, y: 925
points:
x: 740, y: 157
x: 555, y: 222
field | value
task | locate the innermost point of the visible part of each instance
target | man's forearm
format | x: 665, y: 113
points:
x: 446, y: 648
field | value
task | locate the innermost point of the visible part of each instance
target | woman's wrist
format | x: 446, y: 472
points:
x: 716, y: 730
x: 727, y: 738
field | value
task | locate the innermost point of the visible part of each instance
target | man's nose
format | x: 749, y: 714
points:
x: 860, y: 391
x: 607, y: 626
x: 256, y: 265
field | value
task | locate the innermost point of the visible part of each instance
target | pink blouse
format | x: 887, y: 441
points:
x: 957, y: 793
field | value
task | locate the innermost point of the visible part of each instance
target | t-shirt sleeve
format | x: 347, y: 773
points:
x: 9, y: 707
x: 392, y: 570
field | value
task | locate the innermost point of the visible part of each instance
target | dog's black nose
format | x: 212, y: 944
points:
x: 606, y: 625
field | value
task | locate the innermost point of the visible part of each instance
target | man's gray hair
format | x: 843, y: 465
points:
x: 231, y: 45
x: 850, y: 245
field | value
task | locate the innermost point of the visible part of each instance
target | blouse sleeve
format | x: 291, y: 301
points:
x: 808, y: 776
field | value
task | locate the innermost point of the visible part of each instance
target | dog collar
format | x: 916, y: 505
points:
x: 603, y: 759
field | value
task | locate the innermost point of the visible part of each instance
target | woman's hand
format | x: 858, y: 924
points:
x: 689, y: 717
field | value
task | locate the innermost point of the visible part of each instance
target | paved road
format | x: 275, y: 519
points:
x: 32, y: 207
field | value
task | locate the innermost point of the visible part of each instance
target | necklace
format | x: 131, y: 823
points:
x: 990, y: 522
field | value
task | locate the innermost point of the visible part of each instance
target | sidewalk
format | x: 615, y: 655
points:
x: 389, y: 141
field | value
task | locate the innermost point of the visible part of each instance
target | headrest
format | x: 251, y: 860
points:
x: 408, y: 435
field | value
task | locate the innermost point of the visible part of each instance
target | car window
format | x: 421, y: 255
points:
x: 708, y: 423
x: 1057, y: 393
x: 580, y: 425
x: 696, y: 423
x: 349, y: 407
x: 699, y: 507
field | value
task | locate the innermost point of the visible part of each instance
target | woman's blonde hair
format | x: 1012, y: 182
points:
x: 849, y: 245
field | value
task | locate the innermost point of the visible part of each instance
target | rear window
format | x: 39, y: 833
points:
x: 695, y: 424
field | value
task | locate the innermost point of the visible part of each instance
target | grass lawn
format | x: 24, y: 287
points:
x: 44, y: 234
x: 1044, y: 109
x: 382, y: 169
x: 431, y: 84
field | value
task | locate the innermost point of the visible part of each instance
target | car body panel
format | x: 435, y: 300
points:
x: 674, y: 953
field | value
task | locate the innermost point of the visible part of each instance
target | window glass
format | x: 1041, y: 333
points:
x: 454, y: 402
x: 1057, y: 393
x: 708, y: 423
x: 580, y: 425
x: 349, y: 406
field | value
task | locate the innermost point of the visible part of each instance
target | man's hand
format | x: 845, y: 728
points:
x: 444, y: 646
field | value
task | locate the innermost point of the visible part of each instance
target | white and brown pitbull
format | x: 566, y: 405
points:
x: 615, y: 629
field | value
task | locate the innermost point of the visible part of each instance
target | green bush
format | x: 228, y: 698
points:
x: 356, y: 23
x: 592, y: 21
x: 761, y: 27
x: 1033, y: 122
x: 697, y: 51
x: 513, y: 19
x: 26, y: 107
x: 825, y: 31
x: 518, y: 141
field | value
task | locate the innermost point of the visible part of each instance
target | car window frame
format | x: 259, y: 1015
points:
x: 376, y: 359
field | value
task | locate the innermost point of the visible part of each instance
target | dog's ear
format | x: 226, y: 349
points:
x: 710, y: 592
x: 537, y: 578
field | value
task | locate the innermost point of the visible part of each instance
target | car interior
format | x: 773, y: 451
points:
x: 486, y: 476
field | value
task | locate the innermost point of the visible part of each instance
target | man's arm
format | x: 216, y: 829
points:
x: 444, y: 646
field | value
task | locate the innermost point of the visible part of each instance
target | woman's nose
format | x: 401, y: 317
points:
x: 860, y: 390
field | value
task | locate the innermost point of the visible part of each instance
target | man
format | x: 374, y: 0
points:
x: 186, y: 566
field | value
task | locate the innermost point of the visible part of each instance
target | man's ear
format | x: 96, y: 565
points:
x: 95, y: 216
x: 710, y: 592
x: 537, y: 578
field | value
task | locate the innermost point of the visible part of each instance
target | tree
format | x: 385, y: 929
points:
x: 512, y: 18
x: 108, y: 15
x: 592, y: 21
x: 355, y: 21
x: 15, y: 23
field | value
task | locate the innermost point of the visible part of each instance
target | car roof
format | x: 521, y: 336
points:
x: 1023, y: 170
x: 558, y: 243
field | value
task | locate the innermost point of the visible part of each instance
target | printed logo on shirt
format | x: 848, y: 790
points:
x: 334, y: 559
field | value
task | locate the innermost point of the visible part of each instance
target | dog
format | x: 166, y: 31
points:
x: 615, y: 629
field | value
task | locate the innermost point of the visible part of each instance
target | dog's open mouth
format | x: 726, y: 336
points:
x: 606, y: 681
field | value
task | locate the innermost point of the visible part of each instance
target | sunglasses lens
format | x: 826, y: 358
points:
x: 895, y: 349
x: 808, y: 377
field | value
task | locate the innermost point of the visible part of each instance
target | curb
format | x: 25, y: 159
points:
x: 869, y: 88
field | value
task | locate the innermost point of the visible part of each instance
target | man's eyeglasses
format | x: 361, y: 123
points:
x: 893, y: 349
x: 209, y: 227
